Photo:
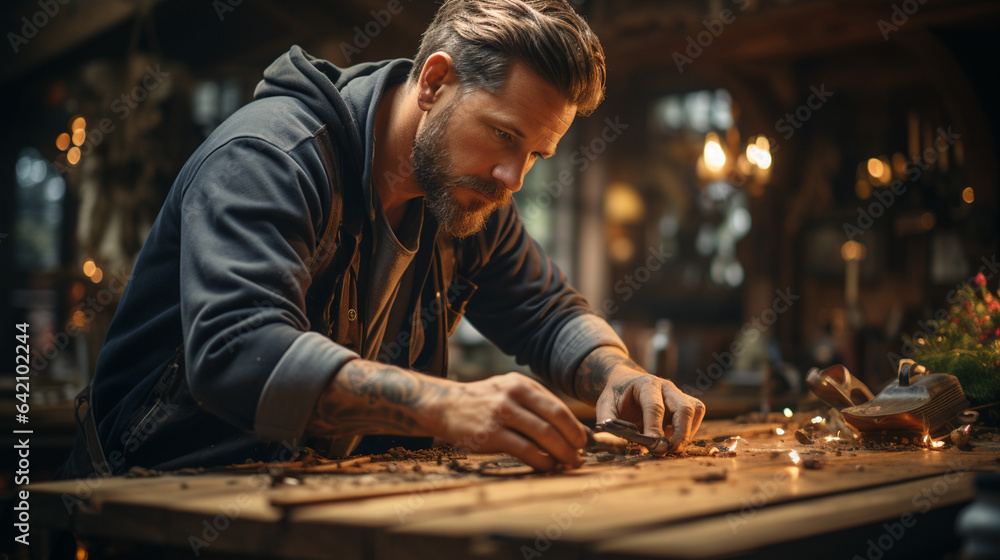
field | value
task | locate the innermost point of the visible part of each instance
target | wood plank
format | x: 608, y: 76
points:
x: 55, y: 502
x: 495, y: 516
x: 566, y: 524
x: 901, y: 505
x: 147, y: 510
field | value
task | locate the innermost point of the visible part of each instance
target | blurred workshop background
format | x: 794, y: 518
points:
x: 770, y: 185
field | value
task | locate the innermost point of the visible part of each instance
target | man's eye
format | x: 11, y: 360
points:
x: 505, y: 136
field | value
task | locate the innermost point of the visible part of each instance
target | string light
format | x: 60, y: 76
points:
x: 715, y: 158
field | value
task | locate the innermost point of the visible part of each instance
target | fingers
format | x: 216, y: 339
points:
x: 542, y: 430
x: 544, y: 436
x: 653, y: 411
x: 520, y: 447
x: 555, y: 414
x: 606, y: 409
x: 688, y: 412
x: 699, y: 415
x: 660, y: 402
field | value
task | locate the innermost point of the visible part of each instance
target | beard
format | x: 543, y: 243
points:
x: 432, y: 167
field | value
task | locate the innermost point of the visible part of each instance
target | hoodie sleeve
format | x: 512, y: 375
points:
x: 525, y: 306
x: 248, y: 232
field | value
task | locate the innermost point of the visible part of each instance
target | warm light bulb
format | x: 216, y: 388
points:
x: 764, y: 159
x: 968, y: 195
x: 758, y: 152
x: 715, y: 158
x: 875, y: 168
x: 927, y: 220
x: 852, y: 251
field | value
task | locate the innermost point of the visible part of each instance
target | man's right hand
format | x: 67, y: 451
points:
x: 509, y: 413
x: 513, y: 414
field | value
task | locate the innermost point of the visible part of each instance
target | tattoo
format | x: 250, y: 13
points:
x: 592, y: 376
x: 620, y: 388
x: 367, y: 397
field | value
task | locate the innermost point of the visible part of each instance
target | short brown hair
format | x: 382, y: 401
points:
x: 483, y: 37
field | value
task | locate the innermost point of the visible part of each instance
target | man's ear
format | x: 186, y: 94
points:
x: 437, y: 78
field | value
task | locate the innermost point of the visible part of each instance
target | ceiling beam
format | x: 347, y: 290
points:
x: 68, y: 28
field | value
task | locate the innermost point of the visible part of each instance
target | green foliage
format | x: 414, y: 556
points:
x: 966, y: 343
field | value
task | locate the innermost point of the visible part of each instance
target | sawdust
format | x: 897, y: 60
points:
x: 439, y: 454
x: 986, y: 434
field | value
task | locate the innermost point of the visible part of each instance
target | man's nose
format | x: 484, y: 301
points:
x: 511, y: 173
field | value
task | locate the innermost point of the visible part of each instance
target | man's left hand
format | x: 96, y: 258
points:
x: 629, y: 393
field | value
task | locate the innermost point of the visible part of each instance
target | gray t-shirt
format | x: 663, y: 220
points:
x: 390, y: 274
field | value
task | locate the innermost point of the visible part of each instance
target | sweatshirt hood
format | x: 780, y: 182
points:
x: 343, y: 98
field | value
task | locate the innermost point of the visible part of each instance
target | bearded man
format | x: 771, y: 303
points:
x: 315, y: 253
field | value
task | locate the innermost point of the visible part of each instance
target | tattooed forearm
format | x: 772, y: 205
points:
x: 372, y: 398
x: 592, y: 376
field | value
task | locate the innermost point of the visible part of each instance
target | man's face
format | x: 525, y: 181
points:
x: 473, y: 154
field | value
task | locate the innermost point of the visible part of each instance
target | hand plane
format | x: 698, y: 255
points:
x: 917, y: 402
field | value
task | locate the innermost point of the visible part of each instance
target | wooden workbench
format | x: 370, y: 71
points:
x: 754, y: 500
